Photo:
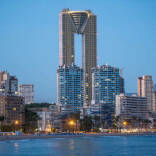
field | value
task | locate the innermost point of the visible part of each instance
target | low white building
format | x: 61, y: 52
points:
x: 128, y: 107
x: 45, y: 121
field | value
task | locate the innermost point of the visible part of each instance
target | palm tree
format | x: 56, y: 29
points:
x: 86, y: 124
x: 31, y: 119
x: 1, y: 119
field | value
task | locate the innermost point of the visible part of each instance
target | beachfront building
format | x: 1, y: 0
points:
x: 154, y: 101
x: 46, y: 115
x: 12, y: 109
x: 70, y: 88
x: 145, y: 89
x: 105, y: 86
x: 132, y: 108
x: 82, y: 23
x: 45, y: 120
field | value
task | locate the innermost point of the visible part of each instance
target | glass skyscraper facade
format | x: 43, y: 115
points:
x: 105, y: 86
x: 70, y: 88
x: 83, y: 23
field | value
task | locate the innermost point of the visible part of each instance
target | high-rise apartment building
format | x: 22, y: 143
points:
x: 155, y: 87
x: 154, y: 101
x: 8, y: 84
x: 70, y: 88
x: 13, y: 85
x: 122, y: 85
x: 84, y: 23
x: 145, y: 89
x: 27, y: 91
x: 105, y: 86
x: 12, y: 109
x: 4, y: 82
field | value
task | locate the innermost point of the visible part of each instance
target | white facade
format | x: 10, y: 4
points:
x: 4, y: 82
x: 8, y: 84
x: 154, y: 101
x: 128, y: 107
x: 145, y: 87
x: 45, y: 123
x: 27, y: 91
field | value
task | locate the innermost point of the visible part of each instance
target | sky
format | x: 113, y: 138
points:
x: 29, y: 40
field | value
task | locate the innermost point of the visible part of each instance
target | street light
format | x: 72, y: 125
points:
x: 16, y: 122
x: 125, y: 123
x: 71, y: 122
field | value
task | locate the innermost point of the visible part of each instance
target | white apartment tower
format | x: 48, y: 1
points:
x: 27, y: 91
x: 145, y: 89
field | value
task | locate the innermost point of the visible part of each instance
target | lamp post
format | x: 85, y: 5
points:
x: 125, y: 123
x: 71, y: 124
x: 16, y: 123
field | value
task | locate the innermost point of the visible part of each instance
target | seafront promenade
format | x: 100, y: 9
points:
x: 72, y: 135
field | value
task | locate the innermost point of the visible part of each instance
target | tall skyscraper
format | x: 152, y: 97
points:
x: 27, y: 91
x: 70, y: 88
x: 105, y: 86
x: 84, y: 23
x: 145, y: 89
x: 154, y: 101
x: 139, y: 82
x: 155, y: 87
x: 122, y: 85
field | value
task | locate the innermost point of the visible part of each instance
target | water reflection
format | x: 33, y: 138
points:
x: 85, y: 146
x: 71, y: 145
x: 16, y: 146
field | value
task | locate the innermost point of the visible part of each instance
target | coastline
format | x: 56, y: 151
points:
x: 23, y: 137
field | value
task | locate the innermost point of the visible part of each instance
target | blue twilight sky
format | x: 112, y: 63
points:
x: 29, y: 39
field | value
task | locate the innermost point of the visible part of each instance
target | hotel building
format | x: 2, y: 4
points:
x: 129, y: 107
x: 145, y: 89
x: 105, y: 86
x: 83, y: 23
x: 70, y: 88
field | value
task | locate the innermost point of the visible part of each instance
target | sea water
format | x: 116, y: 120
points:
x: 81, y: 146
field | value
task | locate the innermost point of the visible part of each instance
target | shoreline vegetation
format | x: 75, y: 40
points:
x: 72, y: 135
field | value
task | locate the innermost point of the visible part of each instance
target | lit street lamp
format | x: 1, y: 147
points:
x: 125, y: 123
x: 16, y: 122
x: 71, y: 123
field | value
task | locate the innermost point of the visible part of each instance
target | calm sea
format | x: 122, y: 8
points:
x: 85, y: 146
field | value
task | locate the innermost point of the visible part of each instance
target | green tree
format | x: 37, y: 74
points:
x: 30, y: 123
x: 97, y: 122
x: 1, y: 121
x: 7, y: 128
x: 86, y: 124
